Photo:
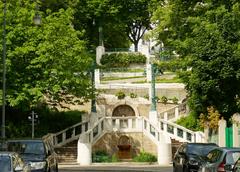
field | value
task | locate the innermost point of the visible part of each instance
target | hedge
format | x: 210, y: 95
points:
x: 114, y: 60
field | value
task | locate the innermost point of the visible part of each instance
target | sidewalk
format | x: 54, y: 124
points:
x: 115, y: 164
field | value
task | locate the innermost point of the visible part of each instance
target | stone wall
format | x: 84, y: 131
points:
x: 110, y: 141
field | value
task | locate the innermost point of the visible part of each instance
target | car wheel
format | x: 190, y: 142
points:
x: 56, y: 168
x: 185, y: 169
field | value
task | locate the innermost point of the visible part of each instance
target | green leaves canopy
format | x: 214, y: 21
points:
x: 206, y: 35
x: 47, y: 61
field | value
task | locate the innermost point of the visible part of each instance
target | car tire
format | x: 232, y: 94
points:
x: 185, y: 169
x: 56, y: 168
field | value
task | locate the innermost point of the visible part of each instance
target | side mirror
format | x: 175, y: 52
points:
x: 228, y: 167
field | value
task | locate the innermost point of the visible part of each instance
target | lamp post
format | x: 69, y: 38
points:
x: 153, y: 89
x: 3, y: 133
x: 33, y: 118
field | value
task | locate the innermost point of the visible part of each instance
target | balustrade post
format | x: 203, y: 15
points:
x: 176, y: 113
x: 63, y: 136
x: 184, y: 135
x: 165, y: 117
x: 165, y: 127
x: 175, y: 131
x: 130, y: 123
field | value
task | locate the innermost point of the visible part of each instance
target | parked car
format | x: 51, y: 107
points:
x: 39, y: 153
x: 233, y: 168
x: 12, y: 162
x: 188, y: 157
x: 220, y: 159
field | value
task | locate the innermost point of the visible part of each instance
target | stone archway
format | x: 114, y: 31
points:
x: 123, y: 110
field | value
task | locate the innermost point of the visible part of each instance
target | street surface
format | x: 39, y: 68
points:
x: 115, y: 168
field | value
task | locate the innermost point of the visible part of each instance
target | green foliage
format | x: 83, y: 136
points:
x: 145, y: 157
x: 114, y: 158
x: 133, y: 95
x: 206, y: 37
x: 175, y: 100
x: 18, y: 125
x: 120, y: 94
x: 191, y: 122
x: 164, y: 99
x: 146, y: 96
x: 37, y: 57
x: 122, y: 59
x: 101, y: 156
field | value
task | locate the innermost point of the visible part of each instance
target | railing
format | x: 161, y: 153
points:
x: 174, y: 113
x: 70, y: 134
x: 180, y: 133
x: 124, y: 124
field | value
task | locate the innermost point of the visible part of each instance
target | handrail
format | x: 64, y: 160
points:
x: 124, y: 124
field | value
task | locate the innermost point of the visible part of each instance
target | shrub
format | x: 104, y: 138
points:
x: 120, y: 95
x: 146, y: 96
x: 164, y: 99
x: 133, y: 95
x: 145, y: 157
x: 101, y: 156
x: 122, y: 59
x: 190, y: 122
x: 175, y: 100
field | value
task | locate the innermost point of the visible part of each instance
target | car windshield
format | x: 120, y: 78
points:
x: 26, y: 147
x: 5, y: 163
x: 200, y: 149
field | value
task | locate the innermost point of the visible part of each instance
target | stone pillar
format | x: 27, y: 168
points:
x: 149, y: 73
x: 99, y: 52
x: 222, y: 133
x: 153, y: 117
x: 176, y: 113
x: 236, y: 122
x: 164, y: 150
x: 206, y: 134
x: 235, y: 135
x: 84, y: 156
x: 97, y: 77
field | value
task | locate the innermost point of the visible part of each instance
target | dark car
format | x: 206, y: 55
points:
x: 221, y: 159
x: 189, y: 156
x: 233, y: 168
x: 39, y: 153
x: 12, y: 162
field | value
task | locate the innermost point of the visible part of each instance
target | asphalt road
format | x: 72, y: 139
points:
x: 115, y: 168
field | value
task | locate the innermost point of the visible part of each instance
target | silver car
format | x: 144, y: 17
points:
x: 218, y: 158
x: 12, y: 162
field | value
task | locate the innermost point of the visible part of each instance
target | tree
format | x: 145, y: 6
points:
x: 91, y: 15
x: 46, y: 62
x: 206, y: 37
x: 136, y: 17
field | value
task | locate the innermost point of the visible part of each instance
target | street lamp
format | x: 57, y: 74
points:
x: 33, y: 118
x: 153, y: 89
x: 3, y: 133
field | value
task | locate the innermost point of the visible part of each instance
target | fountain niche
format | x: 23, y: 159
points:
x: 124, y: 148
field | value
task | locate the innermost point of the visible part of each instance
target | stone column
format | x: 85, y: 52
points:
x: 222, y: 133
x: 99, y: 52
x: 235, y: 135
x: 206, y: 134
x: 97, y: 77
x: 164, y: 150
x: 84, y: 152
x: 149, y: 73
x: 236, y: 122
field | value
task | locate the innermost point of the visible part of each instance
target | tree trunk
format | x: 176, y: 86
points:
x: 136, y: 46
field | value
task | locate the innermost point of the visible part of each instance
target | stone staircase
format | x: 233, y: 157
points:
x: 67, y: 153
